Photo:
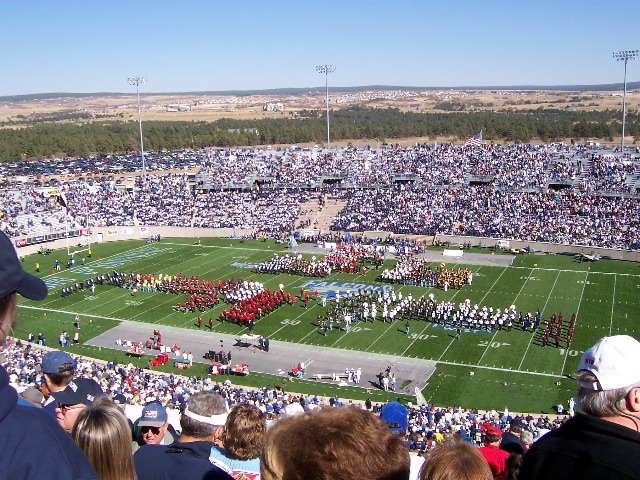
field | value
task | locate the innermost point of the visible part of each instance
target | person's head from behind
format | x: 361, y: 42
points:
x: 492, y: 435
x: 455, y: 459
x: 609, y: 380
x: 103, y: 434
x: 396, y: 416
x: 332, y: 443
x: 205, y: 414
x: 244, y: 432
x: 512, y: 466
x: 79, y: 394
x: 58, y: 370
x: 153, y: 424
x: 13, y: 279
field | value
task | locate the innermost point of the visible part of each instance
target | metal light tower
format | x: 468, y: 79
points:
x: 327, y: 69
x: 625, y: 56
x: 137, y: 81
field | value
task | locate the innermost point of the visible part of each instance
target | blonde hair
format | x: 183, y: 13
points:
x: 103, y: 434
x: 455, y: 459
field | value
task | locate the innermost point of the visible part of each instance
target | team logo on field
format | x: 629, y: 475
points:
x: 329, y: 289
x: 244, y: 265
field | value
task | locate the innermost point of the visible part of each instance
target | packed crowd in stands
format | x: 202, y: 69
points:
x: 426, y: 189
x: 559, y: 217
x: 141, y: 387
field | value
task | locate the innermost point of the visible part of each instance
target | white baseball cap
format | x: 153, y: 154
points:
x: 615, y: 361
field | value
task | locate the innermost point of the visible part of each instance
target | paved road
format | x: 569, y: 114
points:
x: 282, y: 356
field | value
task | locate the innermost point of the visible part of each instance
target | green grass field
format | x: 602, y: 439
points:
x: 481, y: 370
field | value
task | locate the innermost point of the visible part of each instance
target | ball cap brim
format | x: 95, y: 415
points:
x: 13, y: 278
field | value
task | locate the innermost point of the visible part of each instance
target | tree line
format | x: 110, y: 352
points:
x: 354, y: 123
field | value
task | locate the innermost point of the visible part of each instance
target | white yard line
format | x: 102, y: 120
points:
x: 613, y: 302
x: 543, y: 309
x: 379, y: 337
x: 285, y: 325
x: 481, y: 302
x: 429, y: 324
x: 584, y: 285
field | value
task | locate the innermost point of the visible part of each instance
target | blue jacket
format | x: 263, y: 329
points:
x: 33, y: 445
x: 178, y: 461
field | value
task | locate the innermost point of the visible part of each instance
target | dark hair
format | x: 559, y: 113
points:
x: 516, y: 427
x: 512, y: 466
x: 63, y: 377
x: 491, y: 438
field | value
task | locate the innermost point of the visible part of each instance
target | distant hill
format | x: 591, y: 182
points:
x: 299, y: 91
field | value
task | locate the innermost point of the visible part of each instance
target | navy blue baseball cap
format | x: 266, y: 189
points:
x: 153, y: 415
x: 80, y: 390
x: 13, y: 278
x: 52, y: 361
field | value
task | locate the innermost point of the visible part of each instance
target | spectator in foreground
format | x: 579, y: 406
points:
x: 604, y: 442
x: 33, y: 396
x: 58, y: 370
x: 154, y: 426
x: 242, y: 442
x: 455, y: 459
x: 491, y: 451
x: 333, y: 444
x: 102, y: 433
x: 512, y: 467
x: 187, y: 457
x: 512, y: 439
x: 79, y: 394
x: 32, y: 444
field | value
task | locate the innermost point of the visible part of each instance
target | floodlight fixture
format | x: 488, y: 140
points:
x: 137, y: 81
x: 327, y: 69
x: 625, y: 56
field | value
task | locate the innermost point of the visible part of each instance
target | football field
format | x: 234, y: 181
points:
x: 482, y: 369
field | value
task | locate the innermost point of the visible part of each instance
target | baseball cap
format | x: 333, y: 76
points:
x: 32, y: 394
x: 13, y: 278
x: 119, y: 399
x: 395, y: 412
x: 153, y: 415
x: 53, y: 360
x: 492, y: 430
x: 80, y: 390
x: 614, y: 361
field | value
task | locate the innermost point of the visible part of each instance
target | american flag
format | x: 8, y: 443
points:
x: 475, y: 141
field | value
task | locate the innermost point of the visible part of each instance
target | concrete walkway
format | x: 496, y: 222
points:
x: 280, y: 359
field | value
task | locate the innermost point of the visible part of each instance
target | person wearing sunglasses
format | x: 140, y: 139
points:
x: 154, y: 426
x: 80, y: 393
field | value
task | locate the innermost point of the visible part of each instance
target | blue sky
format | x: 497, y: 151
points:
x: 197, y: 45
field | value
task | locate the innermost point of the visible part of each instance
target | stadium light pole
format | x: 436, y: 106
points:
x: 137, y: 81
x: 327, y: 69
x: 625, y: 56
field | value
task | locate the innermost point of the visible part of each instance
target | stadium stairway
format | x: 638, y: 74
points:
x: 328, y: 213
x: 320, y: 218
